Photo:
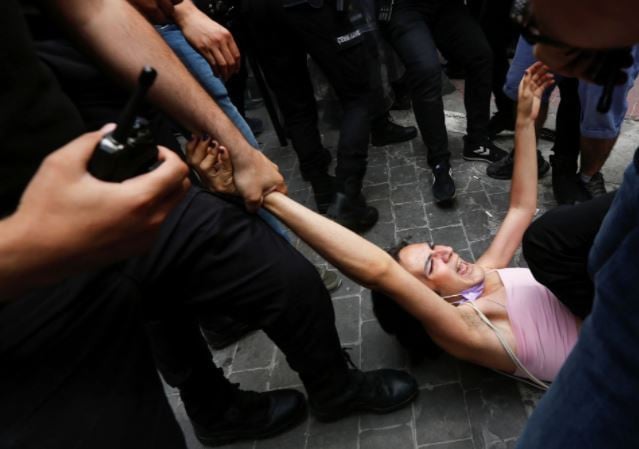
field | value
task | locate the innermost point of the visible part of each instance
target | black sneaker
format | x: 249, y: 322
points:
x: 443, y: 184
x: 485, y: 151
x: 503, y: 168
x: 596, y: 186
x: 381, y: 391
x: 566, y: 183
x: 352, y: 212
x: 386, y: 132
x: 254, y: 416
x: 500, y: 122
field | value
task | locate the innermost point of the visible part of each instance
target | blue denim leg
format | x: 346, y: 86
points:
x: 523, y: 59
x: 201, y: 70
x: 596, y: 125
x: 593, y: 401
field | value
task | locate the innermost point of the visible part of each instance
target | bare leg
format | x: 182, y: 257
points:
x: 594, y: 153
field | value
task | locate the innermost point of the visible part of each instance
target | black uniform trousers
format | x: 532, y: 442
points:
x: 556, y: 248
x: 417, y: 30
x: 77, y: 369
x: 76, y: 364
x: 282, y: 38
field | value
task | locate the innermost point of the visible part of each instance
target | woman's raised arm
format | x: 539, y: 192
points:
x: 523, y: 191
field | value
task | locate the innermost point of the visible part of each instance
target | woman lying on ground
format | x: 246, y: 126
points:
x: 481, y: 312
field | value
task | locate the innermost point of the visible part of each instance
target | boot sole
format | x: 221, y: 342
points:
x: 330, y: 417
x: 222, y: 440
x: 477, y: 159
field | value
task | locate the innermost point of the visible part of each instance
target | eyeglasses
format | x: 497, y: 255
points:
x: 521, y: 14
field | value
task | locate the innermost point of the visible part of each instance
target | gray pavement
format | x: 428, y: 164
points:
x: 460, y: 406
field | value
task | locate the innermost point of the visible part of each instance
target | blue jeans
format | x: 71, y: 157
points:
x: 201, y: 70
x: 593, y: 124
x: 606, y: 126
x: 593, y: 401
x: 524, y: 58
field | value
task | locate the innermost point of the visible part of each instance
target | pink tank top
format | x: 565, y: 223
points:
x: 545, y: 330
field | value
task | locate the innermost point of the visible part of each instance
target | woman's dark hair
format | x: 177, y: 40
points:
x: 396, y: 321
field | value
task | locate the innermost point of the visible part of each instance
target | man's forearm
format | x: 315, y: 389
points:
x: 123, y: 41
x: 20, y: 260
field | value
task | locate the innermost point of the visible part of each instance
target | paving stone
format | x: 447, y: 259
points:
x: 399, y: 155
x: 479, y: 247
x: 494, y: 185
x: 382, y: 234
x: 496, y: 413
x: 451, y: 235
x: 468, y: 182
x: 470, y: 201
x: 396, y: 437
x: 479, y: 225
x: 380, y: 350
x: 367, y: 306
x: 224, y: 357
x: 384, y: 208
x: 466, y: 254
x: 282, y: 375
x: 377, y: 192
x: 377, y: 174
x: 377, y: 156
x: 530, y: 397
x: 348, y: 288
x: 343, y: 434
x: 254, y: 380
x: 439, y: 217
x: 407, y: 193
x: 291, y: 439
x: 473, y: 376
x: 433, y: 372
x: 440, y: 415
x: 403, y: 174
x: 255, y: 351
x: 414, y: 235
x: 347, y: 317
x: 461, y: 444
x: 409, y: 215
x: 500, y: 201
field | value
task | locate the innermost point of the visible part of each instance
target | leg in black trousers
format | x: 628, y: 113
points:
x: 556, y: 248
x: 412, y: 38
x: 460, y: 38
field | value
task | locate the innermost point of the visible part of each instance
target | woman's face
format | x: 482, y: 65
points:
x: 440, y: 268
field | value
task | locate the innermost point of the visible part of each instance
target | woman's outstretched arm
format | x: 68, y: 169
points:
x: 523, y: 190
x: 372, y: 267
x: 356, y: 257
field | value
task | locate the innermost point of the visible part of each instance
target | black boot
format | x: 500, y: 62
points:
x: 566, y: 184
x: 385, y: 132
x: 323, y: 186
x: 252, y: 415
x: 350, y: 209
x: 381, y: 391
x: 502, y: 120
x: 503, y: 168
x: 322, y: 183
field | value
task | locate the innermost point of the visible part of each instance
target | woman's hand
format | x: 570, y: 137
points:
x: 536, y: 79
x: 213, y: 163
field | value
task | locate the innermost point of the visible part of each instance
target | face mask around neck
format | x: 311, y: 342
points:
x: 468, y: 295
